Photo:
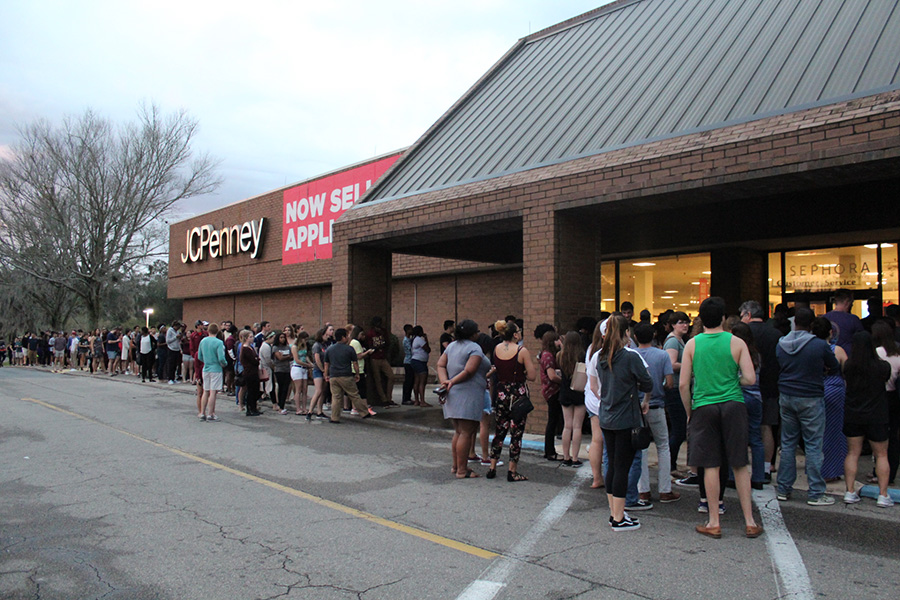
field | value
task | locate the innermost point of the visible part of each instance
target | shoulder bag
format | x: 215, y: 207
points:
x: 579, y: 378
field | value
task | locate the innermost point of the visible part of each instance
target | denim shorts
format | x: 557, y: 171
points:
x: 112, y: 354
x: 418, y: 366
x: 317, y: 374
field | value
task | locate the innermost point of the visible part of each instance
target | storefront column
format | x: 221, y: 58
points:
x: 560, y: 280
x: 739, y: 274
x: 361, y: 287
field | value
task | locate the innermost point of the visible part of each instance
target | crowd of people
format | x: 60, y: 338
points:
x: 735, y: 388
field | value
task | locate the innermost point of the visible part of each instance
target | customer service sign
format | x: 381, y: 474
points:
x: 310, y: 209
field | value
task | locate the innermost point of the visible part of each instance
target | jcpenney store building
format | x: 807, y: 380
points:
x: 650, y: 150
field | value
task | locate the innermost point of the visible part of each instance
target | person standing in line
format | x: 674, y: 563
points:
x: 249, y: 360
x: 592, y: 405
x: 211, y: 353
x: 866, y: 415
x: 173, y: 343
x: 342, y: 374
x: 267, y: 362
x: 571, y: 401
x: 883, y: 337
x: 804, y: 359
x: 447, y: 337
x: 281, y: 370
x: 162, y: 352
x: 834, y: 443
x: 847, y: 323
x: 300, y: 368
x: 719, y: 364
x: 622, y: 380
x: 409, y: 377
x: 147, y: 348
x: 382, y: 375
x: 357, y: 342
x: 765, y: 338
x: 420, y: 352
x: 661, y: 374
x: 753, y: 403
x: 514, y: 369
x: 114, y: 350
x: 550, y: 380
x: 674, y: 347
x: 462, y: 372
x: 323, y: 340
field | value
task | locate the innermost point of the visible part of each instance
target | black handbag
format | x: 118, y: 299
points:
x: 520, y: 408
x: 641, y: 436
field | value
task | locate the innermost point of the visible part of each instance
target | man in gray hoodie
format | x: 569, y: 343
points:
x: 803, y: 359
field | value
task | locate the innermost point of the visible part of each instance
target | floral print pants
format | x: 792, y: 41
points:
x: 507, y: 393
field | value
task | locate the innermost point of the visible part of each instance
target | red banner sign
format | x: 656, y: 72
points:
x: 311, y: 209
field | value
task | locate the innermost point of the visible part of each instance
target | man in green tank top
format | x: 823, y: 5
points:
x: 718, y: 364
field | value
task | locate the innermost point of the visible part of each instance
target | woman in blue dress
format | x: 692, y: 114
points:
x: 835, y: 444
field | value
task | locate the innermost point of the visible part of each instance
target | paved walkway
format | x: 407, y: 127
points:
x: 431, y: 420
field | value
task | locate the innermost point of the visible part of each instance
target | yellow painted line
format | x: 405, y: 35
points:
x: 413, y: 531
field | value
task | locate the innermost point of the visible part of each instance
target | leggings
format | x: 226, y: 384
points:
x: 677, y: 424
x: 554, y: 418
x: 146, y: 366
x: 284, y: 385
x: 252, y: 385
x: 621, y: 454
x: 507, y: 393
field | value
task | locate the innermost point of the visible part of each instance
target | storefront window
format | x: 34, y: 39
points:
x: 890, y: 284
x: 662, y: 283
x: 608, y: 286
x: 818, y: 272
x: 828, y: 269
x: 774, y: 281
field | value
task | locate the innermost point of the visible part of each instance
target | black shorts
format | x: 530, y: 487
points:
x: 717, y: 433
x: 874, y: 432
x: 771, y: 414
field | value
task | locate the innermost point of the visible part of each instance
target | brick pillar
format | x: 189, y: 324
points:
x: 560, y: 281
x: 361, y: 285
x: 739, y: 274
x: 370, y: 285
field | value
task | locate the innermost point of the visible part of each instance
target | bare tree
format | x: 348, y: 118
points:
x: 82, y: 204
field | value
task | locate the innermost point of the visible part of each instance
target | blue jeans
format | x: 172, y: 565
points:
x: 634, y: 475
x: 806, y: 417
x: 753, y: 402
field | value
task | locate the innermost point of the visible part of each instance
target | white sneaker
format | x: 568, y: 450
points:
x: 851, y: 497
x: 885, y: 501
x: 823, y: 500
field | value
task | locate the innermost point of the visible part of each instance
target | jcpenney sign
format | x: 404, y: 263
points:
x: 207, y: 241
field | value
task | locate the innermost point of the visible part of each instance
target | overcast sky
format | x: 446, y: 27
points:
x: 283, y: 91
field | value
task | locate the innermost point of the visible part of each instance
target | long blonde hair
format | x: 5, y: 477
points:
x: 616, y: 332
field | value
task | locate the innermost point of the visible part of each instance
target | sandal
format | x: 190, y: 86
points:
x: 511, y: 476
x: 470, y: 474
x: 552, y: 457
x: 491, y: 473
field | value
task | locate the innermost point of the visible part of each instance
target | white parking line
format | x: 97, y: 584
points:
x: 792, y: 579
x: 494, y: 578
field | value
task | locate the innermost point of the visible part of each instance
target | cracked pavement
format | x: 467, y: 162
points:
x: 97, y: 511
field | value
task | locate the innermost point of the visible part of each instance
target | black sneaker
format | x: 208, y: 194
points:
x: 640, y: 505
x: 624, y: 525
x: 692, y: 480
x: 627, y: 517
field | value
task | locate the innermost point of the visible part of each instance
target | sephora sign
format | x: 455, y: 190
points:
x: 310, y: 209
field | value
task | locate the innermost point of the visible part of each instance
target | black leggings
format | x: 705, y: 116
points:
x: 621, y: 454
x: 146, y: 366
x: 252, y: 385
x: 554, y: 418
x: 284, y: 385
